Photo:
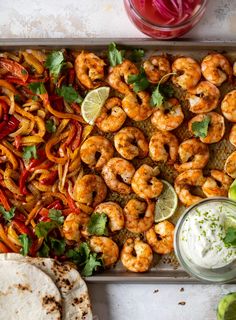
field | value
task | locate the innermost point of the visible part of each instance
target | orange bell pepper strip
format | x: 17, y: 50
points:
x: 4, y: 200
x: 34, y: 62
x: 4, y: 248
x: 64, y: 115
x: 14, y: 68
x: 22, y: 228
x: 49, y: 145
x: 10, y: 156
x: 7, y: 85
x: 7, y: 241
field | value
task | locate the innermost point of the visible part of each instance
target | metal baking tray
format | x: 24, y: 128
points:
x: 163, y: 272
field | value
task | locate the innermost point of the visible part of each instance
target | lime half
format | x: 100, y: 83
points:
x: 232, y: 191
x: 227, y: 307
x: 93, y: 103
x: 167, y: 203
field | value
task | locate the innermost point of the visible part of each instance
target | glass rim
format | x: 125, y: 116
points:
x: 163, y: 27
x: 177, y: 251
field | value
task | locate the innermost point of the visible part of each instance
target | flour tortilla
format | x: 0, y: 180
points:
x: 75, y: 298
x: 27, y: 293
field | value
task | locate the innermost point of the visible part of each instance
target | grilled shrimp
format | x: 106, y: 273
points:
x: 216, y: 128
x: 188, y: 72
x: 114, y: 213
x: 216, y: 68
x: 186, y: 180
x: 92, y: 148
x: 112, y: 116
x: 114, y: 171
x: 163, y: 146
x: 130, y: 142
x: 168, y: 116
x: 232, y: 135
x: 230, y: 165
x: 217, y: 185
x: 203, y: 98
x: 139, y: 216
x: 193, y: 154
x: 137, y: 106
x: 161, y: 237
x: 136, y: 255
x: 89, y: 69
x: 228, y: 106
x: 145, y: 184
x: 74, y: 225
x: 90, y: 190
x: 118, y: 76
x: 107, y: 248
x: 156, y: 67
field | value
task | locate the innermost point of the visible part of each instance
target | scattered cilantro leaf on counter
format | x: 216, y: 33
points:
x: 139, y: 81
x: 230, y: 237
x: 56, y: 215
x: 30, y: 152
x: 7, y: 215
x: 69, y: 94
x: 58, y: 245
x: 136, y: 55
x: 50, y: 126
x: 115, y: 56
x: 54, y: 63
x: 26, y: 243
x: 97, y: 224
x: 200, y: 128
x: 43, y: 228
x: 37, y: 88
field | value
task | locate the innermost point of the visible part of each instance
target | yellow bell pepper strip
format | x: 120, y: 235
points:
x: 9, y: 182
x: 31, y: 140
x: 10, y: 156
x: 41, y: 187
x: 38, y: 54
x: 33, y: 62
x: 64, y: 115
x: 49, y: 145
x: 41, y: 126
x: 7, y: 241
x: 13, y: 236
x: 14, y: 68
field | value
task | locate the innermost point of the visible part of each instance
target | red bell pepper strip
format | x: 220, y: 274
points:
x: 14, y: 68
x: 78, y: 136
x: 50, y: 179
x: 55, y: 205
x: 23, y: 177
x: 4, y: 248
x: 71, y: 76
x: 20, y: 216
x: 22, y: 228
x: 72, y: 204
x: 5, y: 107
x: 15, y: 80
x: 44, y: 212
x: 4, y: 200
x: 9, y: 126
x: 17, y: 142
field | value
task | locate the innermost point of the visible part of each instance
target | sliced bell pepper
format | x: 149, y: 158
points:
x: 78, y: 136
x: 15, y: 80
x: 4, y: 200
x: 17, y: 142
x: 14, y: 68
x: 22, y: 228
x: 23, y: 178
x: 55, y: 205
x: 71, y: 76
x: 50, y: 179
x: 9, y: 126
x: 4, y: 248
x: 7, y: 241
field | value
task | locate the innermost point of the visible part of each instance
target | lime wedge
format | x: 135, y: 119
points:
x: 167, y: 203
x: 232, y: 191
x: 93, y: 103
x: 227, y: 307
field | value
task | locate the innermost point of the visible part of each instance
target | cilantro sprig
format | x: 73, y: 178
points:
x: 50, y: 126
x: 200, y: 128
x: 55, y: 62
x: 56, y: 215
x: 139, y: 81
x: 162, y: 92
x: 26, y: 244
x: 7, y: 215
x: 98, y: 224
x: 115, y: 56
x: 43, y: 228
x: 69, y: 94
x: 136, y: 55
x: 37, y: 88
x: 30, y: 152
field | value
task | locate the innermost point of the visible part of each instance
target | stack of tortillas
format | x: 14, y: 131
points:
x: 41, y: 289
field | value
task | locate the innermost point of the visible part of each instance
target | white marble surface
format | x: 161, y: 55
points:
x: 106, y: 18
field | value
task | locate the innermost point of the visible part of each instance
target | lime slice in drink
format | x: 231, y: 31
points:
x: 93, y: 103
x: 227, y: 307
x: 167, y: 202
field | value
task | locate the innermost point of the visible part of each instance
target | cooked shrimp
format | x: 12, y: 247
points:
x: 188, y: 72
x: 130, y: 142
x: 139, y: 216
x: 145, y: 184
x: 74, y: 225
x: 230, y: 165
x: 112, y: 116
x: 163, y: 146
x: 161, y: 237
x: 217, y: 185
x: 203, y: 98
x: 96, y: 151
x: 137, y: 106
x: 216, y: 128
x: 193, y: 154
x: 234, y: 69
x: 228, y: 106
x: 114, y: 213
x: 157, y: 67
x: 232, y: 135
x: 114, y: 171
x: 107, y: 248
x: 118, y: 76
x: 168, y: 116
x: 141, y: 260
x: 186, y: 180
x: 90, y: 190
x: 216, y: 68
x: 89, y: 69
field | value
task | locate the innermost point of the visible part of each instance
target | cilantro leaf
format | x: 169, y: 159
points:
x: 157, y: 98
x: 139, y: 81
x: 26, y: 243
x: 91, y: 265
x: 200, y: 128
x: 162, y: 92
x: 115, y: 56
x: 7, y: 215
x: 136, y: 55
x: 30, y: 152
x: 54, y: 63
x: 37, y: 88
x: 50, y: 126
x: 56, y: 215
x: 44, y: 250
x: 230, y: 237
x: 97, y: 224
x: 166, y: 90
x: 69, y: 94
x: 43, y: 228
x: 58, y: 246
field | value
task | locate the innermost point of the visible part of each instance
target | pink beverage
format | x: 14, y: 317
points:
x: 165, y: 19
